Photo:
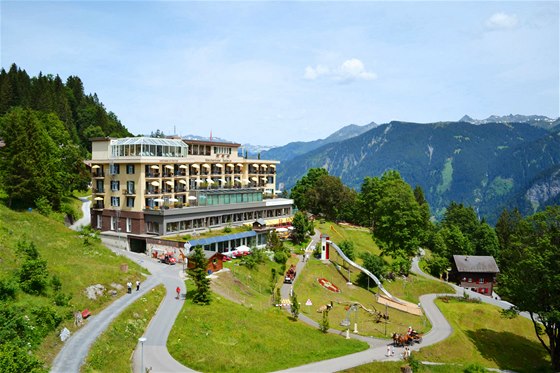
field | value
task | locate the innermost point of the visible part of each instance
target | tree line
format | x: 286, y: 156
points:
x: 45, y: 125
x: 526, y: 249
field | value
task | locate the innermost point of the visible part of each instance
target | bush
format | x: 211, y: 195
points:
x: 280, y: 257
x: 62, y: 300
x: 33, y: 276
x: 8, y: 288
x: 43, y: 206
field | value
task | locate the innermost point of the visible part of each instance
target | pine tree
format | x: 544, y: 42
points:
x: 201, y: 281
x: 294, y: 308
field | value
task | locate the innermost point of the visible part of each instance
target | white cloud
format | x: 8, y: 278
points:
x: 313, y: 73
x: 500, y: 21
x: 349, y: 70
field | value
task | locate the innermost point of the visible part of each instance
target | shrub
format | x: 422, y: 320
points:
x: 280, y: 257
x: 43, y: 206
x: 324, y: 324
x: 8, y: 288
x: 33, y: 276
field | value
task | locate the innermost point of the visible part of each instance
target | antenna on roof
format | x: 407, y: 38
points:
x: 210, y: 135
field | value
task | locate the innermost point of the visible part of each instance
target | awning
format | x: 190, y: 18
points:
x: 155, y: 183
x: 183, y: 182
x: 183, y: 166
x: 155, y: 167
x: 95, y: 166
x: 169, y: 183
x: 255, y: 165
x: 195, y: 166
x: 220, y: 165
x: 98, y: 198
x: 254, y: 178
x: 263, y: 178
x: 239, y: 165
x: 206, y: 165
x: 273, y: 165
x: 264, y: 166
x: 168, y: 166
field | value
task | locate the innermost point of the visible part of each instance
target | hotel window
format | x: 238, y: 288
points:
x: 130, y: 187
x: 115, y: 185
x: 130, y: 202
x: 99, y: 221
x: 115, y: 201
x: 114, y: 169
x: 129, y: 168
x: 128, y: 225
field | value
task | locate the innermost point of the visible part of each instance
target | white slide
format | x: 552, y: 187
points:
x: 368, y: 273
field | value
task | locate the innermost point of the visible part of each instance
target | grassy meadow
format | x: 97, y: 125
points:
x: 112, y: 351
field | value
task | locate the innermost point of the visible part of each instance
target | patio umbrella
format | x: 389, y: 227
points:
x: 159, y: 200
x: 173, y: 200
x: 192, y: 198
x: 98, y: 199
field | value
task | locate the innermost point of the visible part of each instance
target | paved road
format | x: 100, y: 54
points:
x: 86, y: 216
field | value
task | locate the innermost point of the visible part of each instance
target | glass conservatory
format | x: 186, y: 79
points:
x: 147, y: 147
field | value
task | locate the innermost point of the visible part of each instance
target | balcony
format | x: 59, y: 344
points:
x: 97, y: 174
x: 152, y: 174
x: 98, y: 205
x: 98, y: 191
x: 129, y: 192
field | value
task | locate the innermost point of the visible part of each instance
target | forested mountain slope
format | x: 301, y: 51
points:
x: 293, y: 149
x: 484, y: 165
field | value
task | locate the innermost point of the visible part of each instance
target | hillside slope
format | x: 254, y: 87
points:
x: 481, y: 165
x: 293, y: 149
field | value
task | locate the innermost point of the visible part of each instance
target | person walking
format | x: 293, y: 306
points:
x: 388, y: 351
x: 129, y: 287
x: 178, y: 290
x: 137, y: 285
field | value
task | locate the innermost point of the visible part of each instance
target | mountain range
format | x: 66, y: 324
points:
x: 486, y: 164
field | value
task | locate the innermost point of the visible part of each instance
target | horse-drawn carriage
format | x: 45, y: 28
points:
x: 407, y: 339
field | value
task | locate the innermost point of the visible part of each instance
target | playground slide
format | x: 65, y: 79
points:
x: 368, y: 273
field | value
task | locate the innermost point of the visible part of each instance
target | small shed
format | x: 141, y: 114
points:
x: 215, y: 261
x: 476, y: 273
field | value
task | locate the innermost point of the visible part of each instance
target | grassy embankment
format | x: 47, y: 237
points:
x: 77, y: 264
x: 112, y: 351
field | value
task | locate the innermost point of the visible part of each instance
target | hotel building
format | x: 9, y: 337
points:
x: 158, y: 186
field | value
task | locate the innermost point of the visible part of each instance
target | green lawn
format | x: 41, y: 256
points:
x: 111, y: 352
x: 482, y: 336
x: 395, y: 366
x: 228, y: 337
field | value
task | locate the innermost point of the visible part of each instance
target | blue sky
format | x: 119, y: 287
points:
x: 273, y: 72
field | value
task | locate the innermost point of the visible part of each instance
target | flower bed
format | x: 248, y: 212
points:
x: 328, y: 285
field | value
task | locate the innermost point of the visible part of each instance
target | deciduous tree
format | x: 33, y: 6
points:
x: 532, y: 280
